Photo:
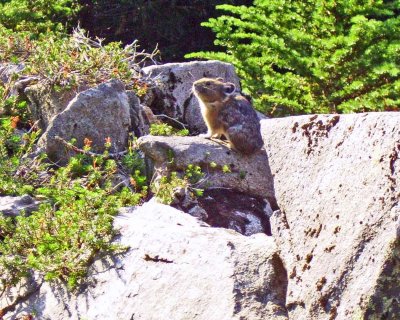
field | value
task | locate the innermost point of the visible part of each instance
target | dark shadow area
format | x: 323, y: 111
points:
x: 237, y: 211
x: 280, y: 283
x: 385, y: 303
x: 173, y: 25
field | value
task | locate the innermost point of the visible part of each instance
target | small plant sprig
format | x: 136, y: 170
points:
x: 167, y: 186
x: 163, y: 129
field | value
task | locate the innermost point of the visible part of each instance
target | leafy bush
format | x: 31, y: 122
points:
x: 67, y: 62
x: 39, y: 16
x: 12, y: 147
x: 166, y: 188
x: 74, y: 222
x: 317, y: 56
x: 73, y: 60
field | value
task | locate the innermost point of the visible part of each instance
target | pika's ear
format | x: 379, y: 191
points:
x: 229, y: 88
x: 220, y: 79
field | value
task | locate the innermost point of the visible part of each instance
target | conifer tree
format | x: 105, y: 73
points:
x: 314, y: 56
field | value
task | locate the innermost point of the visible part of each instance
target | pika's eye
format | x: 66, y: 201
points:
x: 208, y: 83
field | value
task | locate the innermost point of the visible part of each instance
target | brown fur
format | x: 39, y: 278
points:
x: 228, y: 113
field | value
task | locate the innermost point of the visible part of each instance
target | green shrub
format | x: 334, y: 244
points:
x: 12, y: 147
x: 317, y: 56
x: 70, y: 61
x: 74, y: 222
x: 167, y: 186
x: 38, y: 16
x: 65, y: 62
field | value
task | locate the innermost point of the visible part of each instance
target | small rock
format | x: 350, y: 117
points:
x: 199, y: 213
x: 7, y: 70
x: 141, y: 116
x: 12, y: 206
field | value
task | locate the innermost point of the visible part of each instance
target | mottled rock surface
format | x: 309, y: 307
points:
x: 173, y: 96
x: 95, y: 114
x: 337, y: 184
x: 45, y: 102
x: 176, y: 268
x: 12, y: 206
x: 141, y: 116
x: 7, y: 71
x: 248, y: 173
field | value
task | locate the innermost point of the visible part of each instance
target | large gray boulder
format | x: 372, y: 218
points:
x: 176, y: 268
x: 173, y: 95
x: 337, y: 184
x: 45, y: 102
x: 95, y: 114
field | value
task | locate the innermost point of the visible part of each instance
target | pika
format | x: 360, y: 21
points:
x: 226, y: 112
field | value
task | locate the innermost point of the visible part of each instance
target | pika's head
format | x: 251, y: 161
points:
x: 212, y: 90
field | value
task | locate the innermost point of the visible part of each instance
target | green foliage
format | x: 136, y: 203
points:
x: 226, y: 168
x: 163, y: 129
x: 193, y: 173
x: 74, y: 60
x: 116, y: 20
x: 74, y: 222
x: 168, y: 186
x: 59, y: 242
x: 12, y: 147
x: 38, y: 16
x: 66, y: 63
x: 133, y: 165
x: 318, y: 56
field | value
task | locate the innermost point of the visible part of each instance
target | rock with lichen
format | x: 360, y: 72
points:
x: 337, y: 184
